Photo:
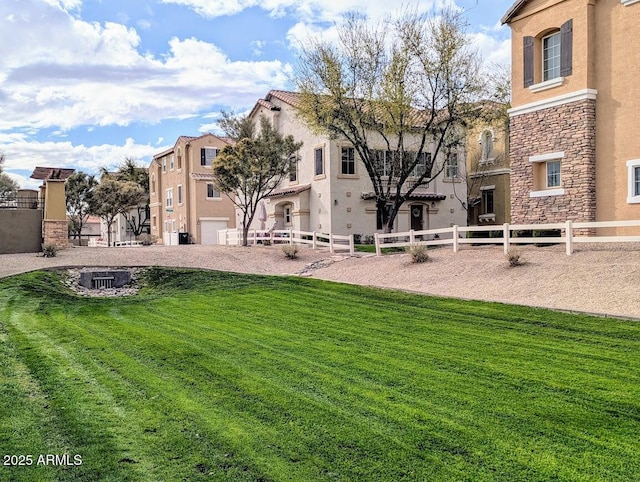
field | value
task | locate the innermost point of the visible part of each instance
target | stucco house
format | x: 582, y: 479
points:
x: 488, y: 173
x: 185, y: 205
x: 328, y: 189
x: 574, y: 148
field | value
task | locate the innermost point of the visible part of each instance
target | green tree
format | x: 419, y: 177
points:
x: 113, y: 197
x: 251, y: 169
x: 79, y: 194
x: 137, y: 217
x: 8, y: 187
x: 400, y: 92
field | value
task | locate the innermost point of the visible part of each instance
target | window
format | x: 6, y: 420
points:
x: 348, y: 161
x: 179, y: 159
x: 319, y: 161
x: 171, y: 162
x: 212, y: 192
x: 179, y: 194
x: 634, y: 181
x: 169, y: 198
x: 153, y: 184
x: 487, y: 145
x: 487, y: 201
x: 547, y: 178
x: 553, y: 174
x: 207, y: 155
x: 451, y: 168
x: 293, y: 169
x: 423, y: 162
x: 287, y: 215
x: 551, y: 56
x: 554, y: 52
x: 164, y: 164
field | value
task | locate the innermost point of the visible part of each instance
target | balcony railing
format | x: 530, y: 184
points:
x: 21, y: 202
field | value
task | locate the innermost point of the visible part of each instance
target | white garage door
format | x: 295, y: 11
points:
x: 209, y: 231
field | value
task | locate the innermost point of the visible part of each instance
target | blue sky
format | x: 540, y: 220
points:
x: 86, y: 83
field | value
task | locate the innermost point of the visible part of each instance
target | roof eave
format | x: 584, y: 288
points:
x: 512, y: 11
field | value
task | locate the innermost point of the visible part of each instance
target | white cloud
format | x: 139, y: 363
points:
x: 493, y: 50
x: 68, y: 72
x: 24, y: 155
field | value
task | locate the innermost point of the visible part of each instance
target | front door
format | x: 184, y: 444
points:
x: 417, y: 217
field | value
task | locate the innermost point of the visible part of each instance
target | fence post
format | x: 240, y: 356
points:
x: 455, y: 238
x: 331, y: 243
x: 375, y: 236
x: 506, y: 235
x: 290, y: 236
x: 313, y: 241
x: 412, y: 237
x: 352, y: 249
x: 569, y: 235
x: 226, y: 237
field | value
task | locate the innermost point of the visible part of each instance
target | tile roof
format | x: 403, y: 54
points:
x: 512, y: 11
x: 201, y: 176
x: 289, y: 190
x: 426, y: 196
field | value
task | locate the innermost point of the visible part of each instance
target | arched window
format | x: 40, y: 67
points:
x: 486, y: 139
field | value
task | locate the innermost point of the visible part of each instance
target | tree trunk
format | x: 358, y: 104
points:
x: 245, y: 235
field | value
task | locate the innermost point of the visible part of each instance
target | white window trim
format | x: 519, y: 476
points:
x: 168, y: 196
x: 487, y: 188
x: 547, y: 84
x: 584, y: 94
x: 547, y: 192
x: 631, y: 199
x: 559, y: 35
x: 180, y: 195
x: 551, y: 156
x: 219, y: 198
x: 626, y: 3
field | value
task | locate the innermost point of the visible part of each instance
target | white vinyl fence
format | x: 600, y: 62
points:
x: 510, y: 234
x: 335, y: 242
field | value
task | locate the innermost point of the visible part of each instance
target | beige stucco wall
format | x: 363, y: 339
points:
x: 334, y: 200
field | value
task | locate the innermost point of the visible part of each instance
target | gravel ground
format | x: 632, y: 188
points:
x: 601, y: 279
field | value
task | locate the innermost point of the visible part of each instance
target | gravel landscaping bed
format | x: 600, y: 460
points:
x: 601, y: 279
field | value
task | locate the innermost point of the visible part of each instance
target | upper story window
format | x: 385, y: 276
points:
x: 548, y: 58
x: 293, y: 169
x: 179, y: 158
x: 153, y: 183
x: 551, y: 56
x: 348, y: 161
x: 179, y: 194
x: 319, y: 161
x: 164, y: 164
x: 207, y: 155
x: 212, y: 192
x: 451, y: 167
x: 486, y: 141
x: 421, y: 167
x: 172, y: 164
x: 169, y: 198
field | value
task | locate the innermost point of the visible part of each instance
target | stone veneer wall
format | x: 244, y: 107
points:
x: 570, y: 128
x: 56, y: 233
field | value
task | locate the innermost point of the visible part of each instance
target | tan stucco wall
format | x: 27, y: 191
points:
x: 55, y: 205
x: 195, y: 204
x: 606, y: 58
x: 20, y: 231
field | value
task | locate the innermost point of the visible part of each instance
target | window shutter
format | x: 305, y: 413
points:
x: 528, y: 61
x: 203, y: 156
x: 566, y: 48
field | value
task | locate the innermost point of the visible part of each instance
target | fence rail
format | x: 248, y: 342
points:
x: 511, y: 234
x: 335, y: 242
x: 21, y: 202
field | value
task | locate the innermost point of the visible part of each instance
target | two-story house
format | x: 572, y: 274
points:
x: 574, y: 149
x: 329, y: 190
x: 185, y: 205
x: 488, y: 172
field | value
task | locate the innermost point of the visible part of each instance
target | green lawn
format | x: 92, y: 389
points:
x: 217, y: 376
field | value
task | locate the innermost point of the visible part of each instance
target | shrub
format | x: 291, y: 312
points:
x: 290, y: 251
x: 147, y: 239
x: 368, y: 239
x: 514, y: 257
x: 418, y: 253
x: 357, y: 239
x: 49, y: 250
